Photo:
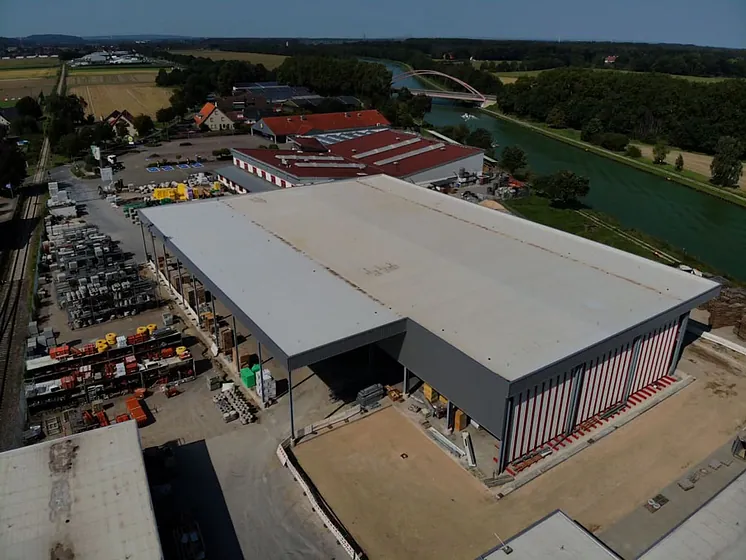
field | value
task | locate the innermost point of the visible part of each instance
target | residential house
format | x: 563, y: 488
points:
x: 213, y: 118
x: 125, y: 117
x: 7, y: 115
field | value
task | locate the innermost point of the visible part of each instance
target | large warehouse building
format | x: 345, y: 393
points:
x: 528, y: 330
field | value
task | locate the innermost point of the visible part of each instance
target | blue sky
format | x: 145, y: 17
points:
x: 704, y: 22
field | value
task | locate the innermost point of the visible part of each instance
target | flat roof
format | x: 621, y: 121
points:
x: 85, y: 496
x: 716, y: 530
x: 513, y: 295
x: 401, y: 154
x: 556, y: 537
x: 270, y: 287
x: 246, y: 180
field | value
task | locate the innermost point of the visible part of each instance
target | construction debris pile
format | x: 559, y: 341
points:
x: 729, y: 309
x: 94, y: 280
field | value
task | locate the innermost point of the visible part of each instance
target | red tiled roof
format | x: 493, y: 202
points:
x: 205, y: 112
x: 309, y: 144
x: 399, y: 143
x: 324, y: 122
x: 300, y: 164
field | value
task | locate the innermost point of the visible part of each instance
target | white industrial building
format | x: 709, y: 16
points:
x: 530, y: 331
x: 84, y: 496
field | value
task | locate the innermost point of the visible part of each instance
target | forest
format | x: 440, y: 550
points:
x: 647, y: 107
x: 685, y: 60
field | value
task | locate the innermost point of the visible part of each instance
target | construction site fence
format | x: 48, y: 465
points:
x: 317, y: 505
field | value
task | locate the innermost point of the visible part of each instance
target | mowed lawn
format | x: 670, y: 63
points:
x: 20, y: 82
x: 269, y: 61
x: 106, y: 90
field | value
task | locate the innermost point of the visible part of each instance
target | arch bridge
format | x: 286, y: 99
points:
x: 471, y: 93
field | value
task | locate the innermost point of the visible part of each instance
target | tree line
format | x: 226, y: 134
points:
x: 650, y: 108
x: 687, y: 60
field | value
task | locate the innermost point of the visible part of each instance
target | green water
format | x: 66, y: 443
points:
x: 709, y: 229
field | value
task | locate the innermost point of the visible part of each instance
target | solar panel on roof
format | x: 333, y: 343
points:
x: 310, y: 157
x: 410, y: 154
x: 387, y: 148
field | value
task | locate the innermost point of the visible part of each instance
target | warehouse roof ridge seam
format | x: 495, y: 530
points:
x: 503, y: 234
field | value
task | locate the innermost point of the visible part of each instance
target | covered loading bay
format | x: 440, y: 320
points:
x: 526, y: 329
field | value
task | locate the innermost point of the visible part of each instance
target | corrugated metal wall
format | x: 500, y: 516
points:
x: 655, y: 355
x: 541, y: 413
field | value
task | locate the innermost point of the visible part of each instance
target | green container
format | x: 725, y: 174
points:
x: 248, y: 378
x: 255, y: 368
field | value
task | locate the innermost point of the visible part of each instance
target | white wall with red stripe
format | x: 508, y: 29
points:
x: 263, y: 173
x: 542, y: 412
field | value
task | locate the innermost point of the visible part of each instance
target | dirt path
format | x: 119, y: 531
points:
x: 398, y: 508
x: 699, y: 163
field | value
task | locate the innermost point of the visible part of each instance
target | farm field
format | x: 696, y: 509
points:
x: 270, y: 61
x: 19, y: 82
x: 107, y: 89
x: 14, y: 63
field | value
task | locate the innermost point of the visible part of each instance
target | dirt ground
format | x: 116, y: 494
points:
x: 381, y: 498
x: 108, y: 76
x: 699, y: 163
x: 19, y: 83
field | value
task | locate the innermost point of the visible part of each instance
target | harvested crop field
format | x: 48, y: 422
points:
x: 29, y: 63
x: 270, y: 61
x: 107, y: 90
x: 19, y: 82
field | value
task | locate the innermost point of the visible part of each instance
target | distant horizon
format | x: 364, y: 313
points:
x: 166, y: 36
x: 718, y: 23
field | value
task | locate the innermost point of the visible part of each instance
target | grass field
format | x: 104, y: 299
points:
x: 29, y: 63
x: 106, y: 90
x: 19, y: 82
x: 270, y: 61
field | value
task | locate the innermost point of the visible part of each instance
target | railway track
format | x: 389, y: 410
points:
x: 13, y: 316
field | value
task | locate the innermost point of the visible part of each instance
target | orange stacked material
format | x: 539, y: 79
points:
x: 59, y: 352
x: 103, y: 420
x: 68, y: 382
x: 168, y: 353
x: 140, y: 393
x: 460, y: 420
x: 136, y: 411
x: 122, y: 418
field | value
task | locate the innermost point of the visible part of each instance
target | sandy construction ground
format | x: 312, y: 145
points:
x: 699, y: 163
x: 401, y: 508
x: 137, y: 98
x: 270, y: 61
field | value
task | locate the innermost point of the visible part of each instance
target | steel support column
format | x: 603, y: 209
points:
x: 157, y: 270
x: 235, y: 345
x: 502, y: 461
x: 215, y: 321
x: 165, y: 269
x: 290, y: 397
x: 683, y: 323
x: 578, y: 376
x: 144, y: 244
x: 196, y: 301
x: 405, y: 389
x: 181, y: 281
x: 449, y: 416
x: 632, y: 368
x: 261, y: 372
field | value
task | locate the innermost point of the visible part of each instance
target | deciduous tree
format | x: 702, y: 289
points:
x: 512, y: 159
x: 480, y: 138
x: 12, y: 163
x: 726, y: 166
x: 563, y: 187
x: 29, y: 107
x: 660, y: 151
x: 143, y: 124
x: 679, y: 165
x: 556, y: 118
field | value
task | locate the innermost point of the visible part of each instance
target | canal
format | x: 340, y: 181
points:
x: 709, y: 229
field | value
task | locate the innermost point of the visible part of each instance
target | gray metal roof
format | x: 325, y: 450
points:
x: 717, y: 530
x: 513, y: 295
x: 293, y: 304
x: 246, y: 180
x: 556, y: 537
x: 86, y: 494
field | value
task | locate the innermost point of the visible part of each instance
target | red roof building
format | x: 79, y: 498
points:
x: 279, y: 128
x: 411, y: 156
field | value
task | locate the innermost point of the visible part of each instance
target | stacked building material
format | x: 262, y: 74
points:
x: 741, y: 328
x: 266, y: 386
x: 728, y: 308
x: 226, y: 339
x: 232, y: 404
x: 369, y: 397
x: 94, y: 279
